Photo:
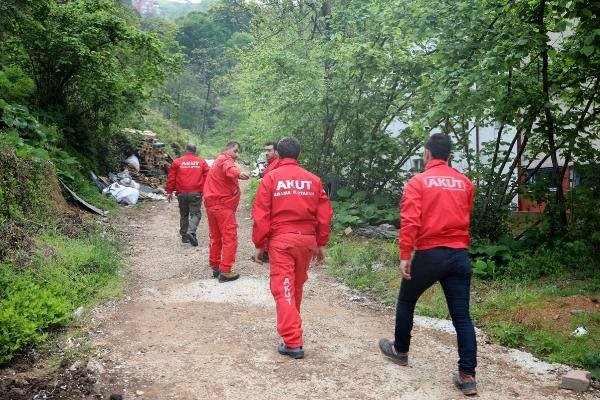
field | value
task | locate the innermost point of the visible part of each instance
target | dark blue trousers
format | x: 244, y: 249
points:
x: 450, y: 267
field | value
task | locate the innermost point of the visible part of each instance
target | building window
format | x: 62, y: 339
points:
x: 417, y: 164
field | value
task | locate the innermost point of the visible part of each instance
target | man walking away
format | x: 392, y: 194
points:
x: 272, y: 158
x: 221, y: 198
x: 435, y: 212
x: 291, y: 215
x: 186, y: 176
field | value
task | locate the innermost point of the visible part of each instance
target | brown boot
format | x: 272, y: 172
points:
x: 228, y: 276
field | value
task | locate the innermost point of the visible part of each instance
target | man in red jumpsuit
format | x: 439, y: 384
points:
x: 186, y: 177
x: 435, y: 213
x: 221, y: 198
x: 271, y: 156
x: 272, y: 162
x: 291, y: 215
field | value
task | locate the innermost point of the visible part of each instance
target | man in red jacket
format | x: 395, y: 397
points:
x: 435, y: 212
x: 221, y: 198
x: 291, y: 216
x: 186, y: 176
x: 272, y: 163
x: 272, y: 157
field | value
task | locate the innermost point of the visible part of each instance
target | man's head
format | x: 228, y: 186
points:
x: 190, y: 148
x: 270, y: 150
x: 233, y: 149
x: 288, y: 148
x: 438, y: 147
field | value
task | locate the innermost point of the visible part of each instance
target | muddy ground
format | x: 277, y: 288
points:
x: 179, y: 334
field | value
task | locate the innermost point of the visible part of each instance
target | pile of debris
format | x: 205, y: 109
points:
x: 142, y: 175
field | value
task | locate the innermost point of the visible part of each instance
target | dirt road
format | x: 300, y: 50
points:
x: 179, y: 334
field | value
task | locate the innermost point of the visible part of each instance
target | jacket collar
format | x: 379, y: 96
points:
x: 287, y: 161
x: 435, y: 163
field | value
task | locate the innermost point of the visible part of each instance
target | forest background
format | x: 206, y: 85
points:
x: 338, y: 75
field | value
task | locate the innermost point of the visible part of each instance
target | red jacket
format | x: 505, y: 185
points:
x: 435, y: 210
x: 272, y: 164
x: 187, y: 174
x: 222, y: 187
x: 290, y: 199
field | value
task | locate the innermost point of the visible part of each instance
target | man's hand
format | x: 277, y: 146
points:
x: 169, y: 197
x: 319, y: 255
x: 244, y: 175
x: 405, y: 269
x: 258, y: 256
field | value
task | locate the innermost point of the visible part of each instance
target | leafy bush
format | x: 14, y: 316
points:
x: 353, y: 209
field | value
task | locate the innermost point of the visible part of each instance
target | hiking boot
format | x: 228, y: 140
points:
x: 193, y: 239
x: 387, y: 347
x: 466, y: 383
x: 215, y: 272
x: 184, y: 238
x: 294, y: 352
x: 228, y: 276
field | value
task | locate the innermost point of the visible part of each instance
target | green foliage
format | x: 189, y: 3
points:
x: 508, y: 334
x: 15, y: 85
x: 91, y: 64
x: 353, y: 209
x: 43, y: 295
x: 250, y: 191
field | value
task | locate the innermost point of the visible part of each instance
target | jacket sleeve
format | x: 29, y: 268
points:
x: 261, y: 214
x: 205, y: 169
x: 230, y: 170
x: 324, y: 215
x: 172, y: 177
x: 410, y: 218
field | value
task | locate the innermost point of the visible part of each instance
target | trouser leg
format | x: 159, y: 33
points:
x: 228, y: 227
x: 195, y: 211
x: 216, y: 241
x: 289, y: 260
x: 457, y: 289
x: 425, y: 271
x: 184, y: 212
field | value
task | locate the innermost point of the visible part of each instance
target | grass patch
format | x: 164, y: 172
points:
x: 536, y: 316
x: 65, y: 273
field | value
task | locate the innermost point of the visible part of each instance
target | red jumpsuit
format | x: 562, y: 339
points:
x: 292, y: 215
x: 221, y: 198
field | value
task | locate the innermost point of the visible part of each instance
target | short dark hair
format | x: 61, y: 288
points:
x: 190, y: 148
x: 232, y: 144
x: 274, y: 144
x: 288, y: 147
x: 440, y: 146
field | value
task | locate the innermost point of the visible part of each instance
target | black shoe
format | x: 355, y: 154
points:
x: 216, y: 272
x: 228, y: 276
x: 387, y: 347
x: 193, y: 239
x: 294, y: 352
x: 184, y: 238
x: 265, y: 257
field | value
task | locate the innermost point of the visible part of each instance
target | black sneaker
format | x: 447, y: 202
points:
x: 193, y: 239
x: 216, y: 272
x: 228, y: 276
x: 185, y: 239
x: 387, y: 347
x: 294, y: 352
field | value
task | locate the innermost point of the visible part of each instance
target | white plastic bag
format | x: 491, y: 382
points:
x: 133, y: 161
x: 123, y: 194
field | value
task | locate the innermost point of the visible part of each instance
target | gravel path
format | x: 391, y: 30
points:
x: 179, y: 334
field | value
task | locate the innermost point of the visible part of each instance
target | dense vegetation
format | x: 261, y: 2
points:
x: 361, y: 83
